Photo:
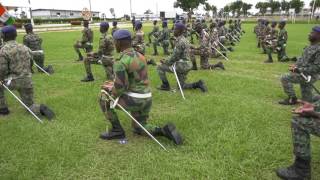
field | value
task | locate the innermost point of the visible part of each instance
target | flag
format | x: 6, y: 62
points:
x: 5, y: 17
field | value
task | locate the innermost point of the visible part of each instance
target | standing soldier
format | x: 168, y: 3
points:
x: 307, y: 65
x: 85, y: 42
x: 114, y: 27
x: 265, y: 31
x: 15, y: 65
x: 154, y: 33
x: 132, y: 88
x: 34, y: 42
x: 163, y: 39
x: 106, y: 48
x: 306, y: 122
x: 180, y: 57
x: 271, y: 42
x: 282, y: 42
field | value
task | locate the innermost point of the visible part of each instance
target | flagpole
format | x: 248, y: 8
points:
x: 90, y: 9
x: 131, y: 8
x: 31, y: 17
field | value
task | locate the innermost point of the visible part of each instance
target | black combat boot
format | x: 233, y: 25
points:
x: 80, y: 57
x: 194, y: 66
x: 230, y: 49
x: 88, y: 78
x: 151, y: 62
x: 294, y: 59
x: 49, y: 69
x: 116, y: 132
x: 300, y: 170
x: 165, y: 86
x: 169, y: 131
x: 201, y: 85
x: 218, y: 65
x: 47, y: 112
x: 225, y: 54
x: 233, y: 44
x: 289, y: 101
x: 155, y: 52
x: 4, y: 112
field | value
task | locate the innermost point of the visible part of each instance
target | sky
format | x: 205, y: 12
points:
x: 121, y: 6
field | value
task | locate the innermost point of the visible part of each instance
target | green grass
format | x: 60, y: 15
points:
x: 236, y: 131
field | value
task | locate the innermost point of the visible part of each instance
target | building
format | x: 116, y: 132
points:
x: 59, y: 13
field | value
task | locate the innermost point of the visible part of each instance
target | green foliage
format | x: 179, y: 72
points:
x: 262, y: 6
x: 316, y: 4
x: 297, y: 5
x: 188, y: 5
x: 285, y: 6
x: 274, y: 6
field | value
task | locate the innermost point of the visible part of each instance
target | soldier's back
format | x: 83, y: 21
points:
x: 32, y: 41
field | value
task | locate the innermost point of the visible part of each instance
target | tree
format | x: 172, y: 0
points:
x: 274, y: 6
x: 188, y: 5
x: 236, y: 7
x: 226, y: 10
x: 207, y: 8
x: 214, y: 10
x: 297, y: 5
x: 285, y: 6
x: 262, y: 6
x: 245, y: 8
x: 113, y: 13
x: 316, y: 6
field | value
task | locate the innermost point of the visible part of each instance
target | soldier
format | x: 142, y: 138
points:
x: 132, y: 87
x: 271, y: 41
x: 138, y: 39
x: 114, y: 27
x: 154, y: 32
x: 308, y: 65
x: 34, y: 42
x: 163, y: 39
x: 306, y: 122
x: 203, y: 51
x: 106, y: 48
x: 15, y: 65
x: 180, y: 57
x: 264, y: 32
x: 85, y: 42
x: 282, y: 42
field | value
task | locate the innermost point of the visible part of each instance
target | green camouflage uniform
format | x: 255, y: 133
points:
x: 265, y: 31
x: 114, y: 29
x: 203, y: 51
x: 34, y: 42
x: 131, y: 76
x: 164, y: 40
x: 180, y: 56
x: 154, y: 33
x: 106, y: 48
x: 302, y: 128
x: 308, y: 64
x: 138, y: 42
x: 15, y: 64
x: 282, y: 43
x: 85, y: 43
x: 271, y: 42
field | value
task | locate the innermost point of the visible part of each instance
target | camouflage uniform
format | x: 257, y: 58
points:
x: 85, y: 43
x: 308, y: 64
x: 164, y: 40
x: 154, y: 33
x: 131, y: 76
x: 15, y: 64
x: 106, y: 48
x: 34, y: 42
x: 282, y: 43
x: 138, y: 42
x: 265, y: 31
x: 114, y: 29
x: 271, y: 42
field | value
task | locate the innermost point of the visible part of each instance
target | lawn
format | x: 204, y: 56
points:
x: 235, y: 131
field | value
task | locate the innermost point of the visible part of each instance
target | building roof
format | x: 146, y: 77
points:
x: 61, y: 10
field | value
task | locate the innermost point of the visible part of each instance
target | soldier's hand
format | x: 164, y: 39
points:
x: 162, y: 61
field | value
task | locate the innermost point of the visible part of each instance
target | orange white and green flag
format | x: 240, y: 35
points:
x: 5, y: 17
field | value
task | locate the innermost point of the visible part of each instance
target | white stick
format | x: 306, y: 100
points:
x: 124, y: 110
x: 220, y: 53
x: 22, y: 103
x: 223, y: 46
x: 176, y: 75
x: 41, y: 69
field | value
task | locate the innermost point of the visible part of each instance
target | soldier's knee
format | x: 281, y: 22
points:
x: 284, y: 78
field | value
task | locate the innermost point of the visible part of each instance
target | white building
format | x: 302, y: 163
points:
x: 59, y: 13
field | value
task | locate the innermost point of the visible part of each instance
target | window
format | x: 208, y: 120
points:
x: 58, y: 13
x: 71, y: 14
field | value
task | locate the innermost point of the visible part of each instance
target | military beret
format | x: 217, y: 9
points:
x: 179, y: 25
x: 283, y: 22
x: 138, y: 24
x: 28, y: 26
x: 164, y: 23
x: 104, y: 24
x: 316, y: 29
x: 114, y: 23
x: 121, y: 34
x: 8, y: 29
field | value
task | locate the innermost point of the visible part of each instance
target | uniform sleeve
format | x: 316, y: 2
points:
x: 313, y: 68
x: 25, y: 41
x: 85, y: 36
x: 178, y: 50
x: 121, y: 82
x: 3, y: 66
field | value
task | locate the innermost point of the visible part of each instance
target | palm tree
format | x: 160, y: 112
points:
x: 262, y: 6
x: 274, y: 6
x: 297, y: 5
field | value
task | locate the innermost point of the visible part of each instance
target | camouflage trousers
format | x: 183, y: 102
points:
x: 78, y: 45
x: 204, y: 54
x: 39, y: 59
x: 281, y: 51
x: 302, y: 128
x: 107, y: 63
x: 182, y: 69
x: 164, y: 44
x: 289, y: 79
x: 139, y: 108
x: 24, y: 87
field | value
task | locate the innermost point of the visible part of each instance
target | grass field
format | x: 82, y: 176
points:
x: 236, y: 131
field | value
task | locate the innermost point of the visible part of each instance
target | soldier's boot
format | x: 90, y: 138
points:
x: 80, y: 57
x: 233, y: 44
x: 200, y: 85
x: 4, y: 112
x: 49, y: 69
x: 289, y: 101
x: 230, y: 49
x: 299, y: 170
x: 194, y: 65
x: 294, y: 59
x: 218, y: 65
x: 225, y: 54
x: 170, y: 132
x: 88, y: 78
x: 269, y: 60
x: 165, y: 86
x: 46, y: 112
x: 155, y: 52
x: 116, y: 132
x: 151, y: 62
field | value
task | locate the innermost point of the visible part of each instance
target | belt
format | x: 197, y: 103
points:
x: 138, y: 95
x: 38, y: 51
x: 106, y: 56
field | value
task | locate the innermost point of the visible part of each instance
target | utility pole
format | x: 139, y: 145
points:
x: 131, y: 8
x: 90, y: 9
x: 30, y: 9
